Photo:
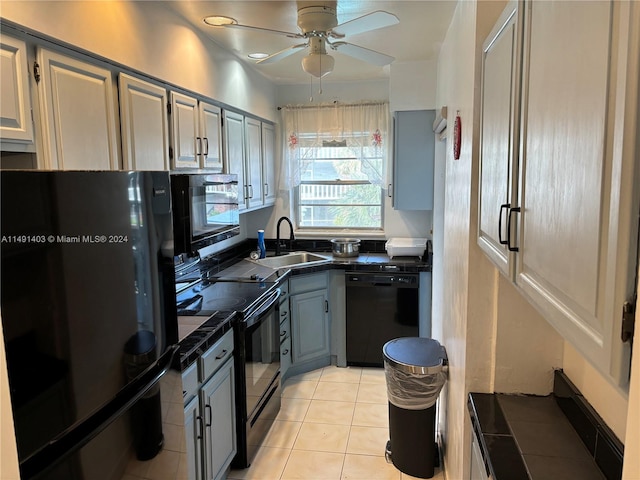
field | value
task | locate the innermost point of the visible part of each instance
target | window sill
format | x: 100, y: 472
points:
x: 309, y: 234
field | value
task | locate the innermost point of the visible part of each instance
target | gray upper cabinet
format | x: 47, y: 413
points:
x: 144, y: 124
x: 269, y: 164
x: 16, y: 126
x: 568, y: 207
x: 253, y: 162
x: 196, y: 133
x: 413, y: 160
x: 234, y: 153
x: 78, y: 116
x: 501, y: 67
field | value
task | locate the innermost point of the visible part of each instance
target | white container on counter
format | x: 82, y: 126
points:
x: 405, y: 247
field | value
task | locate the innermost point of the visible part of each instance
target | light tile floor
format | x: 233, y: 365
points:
x: 333, y: 425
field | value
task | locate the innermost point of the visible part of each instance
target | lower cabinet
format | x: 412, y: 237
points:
x: 477, y: 469
x: 310, y: 326
x: 209, y: 412
x: 285, y: 331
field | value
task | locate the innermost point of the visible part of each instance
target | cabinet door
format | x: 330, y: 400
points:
x: 576, y: 189
x: 143, y: 122
x: 15, y: 102
x: 234, y: 153
x: 193, y: 430
x: 269, y: 163
x: 211, y: 136
x: 78, y: 114
x: 499, y: 137
x: 219, y: 414
x: 414, y: 149
x: 184, y: 129
x: 253, y: 161
x: 310, y: 325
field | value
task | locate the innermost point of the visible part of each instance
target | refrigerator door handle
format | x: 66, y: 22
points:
x: 83, y: 431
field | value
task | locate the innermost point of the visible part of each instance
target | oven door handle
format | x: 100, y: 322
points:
x: 263, y: 307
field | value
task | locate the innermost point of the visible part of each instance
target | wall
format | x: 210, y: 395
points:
x: 456, y: 90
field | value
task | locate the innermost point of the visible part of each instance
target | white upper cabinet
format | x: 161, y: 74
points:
x: 574, y: 218
x: 196, y: 133
x: 253, y: 161
x: 501, y: 67
x: 234, y: 146
x: 16, y: 124
x: 77, y: 114
x: 269, y: 164
x: 184, y: 129
x: 210, y: 136
x: 144, y: 125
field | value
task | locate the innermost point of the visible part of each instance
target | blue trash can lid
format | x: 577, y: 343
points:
x: 415, y: 355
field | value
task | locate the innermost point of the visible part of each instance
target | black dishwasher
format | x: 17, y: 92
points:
x: 380, y: 307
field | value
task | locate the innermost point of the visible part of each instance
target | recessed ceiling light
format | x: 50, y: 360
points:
x: 219, y: 21
x: 258, y: 55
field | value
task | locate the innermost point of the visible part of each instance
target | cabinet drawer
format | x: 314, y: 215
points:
x: 284, y: 311
x: 285, y: 350
x: 190, y: 382
x: 284, y: 290
x: 285, y: 331
x: 215, y: 357
x: 306, y: 283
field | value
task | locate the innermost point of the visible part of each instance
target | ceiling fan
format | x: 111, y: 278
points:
x: 319, y: 29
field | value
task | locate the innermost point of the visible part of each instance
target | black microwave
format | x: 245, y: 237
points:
x: 205, y: 209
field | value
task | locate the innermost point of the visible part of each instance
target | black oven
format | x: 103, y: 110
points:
x: 205, y: 209
x: 257, y: 375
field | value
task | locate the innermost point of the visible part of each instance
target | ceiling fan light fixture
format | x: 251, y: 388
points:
x: 219, y: 20
x: 318, y: 64
x: 258, y: 55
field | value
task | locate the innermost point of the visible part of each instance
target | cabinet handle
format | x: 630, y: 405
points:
x: 222, y: 355
x: 509, y: 246
x: 502, y: 207
x: 208, y: 408
x: 389, y: 191
x: 266, y: 189
x: 198, y: 145
x: 286, y: 352
x: 200, y: 428
x: 206, y: 147
x: 326, y: 306
x: 250, y: 189
x: 283, y: 333
x: 246, y: 192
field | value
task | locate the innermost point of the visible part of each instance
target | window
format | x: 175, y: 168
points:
x: 336, y: 161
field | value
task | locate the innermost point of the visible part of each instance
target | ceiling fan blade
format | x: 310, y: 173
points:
x: 370, y: 21
x: 362, y: 53
x: 260, y: 29
x: 283, y: 53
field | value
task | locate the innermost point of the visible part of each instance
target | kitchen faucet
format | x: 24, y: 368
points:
x: 291, y: 237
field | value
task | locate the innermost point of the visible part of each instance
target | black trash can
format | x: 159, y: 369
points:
x: 146, y: 414
x: 415, y: 371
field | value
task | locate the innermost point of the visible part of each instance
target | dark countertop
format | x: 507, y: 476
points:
x: 204, y: 336
x: 529, y: 438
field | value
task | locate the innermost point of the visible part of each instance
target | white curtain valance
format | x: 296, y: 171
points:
x: 362, y: 128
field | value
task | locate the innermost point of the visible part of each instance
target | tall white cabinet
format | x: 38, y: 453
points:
x: 78, y: 116
x: 16, y: 125
x: 560, y: 188
x: 269, y: 164
x: 144, y: 124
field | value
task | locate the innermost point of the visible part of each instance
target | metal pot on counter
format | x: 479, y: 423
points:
x: 345, y: 247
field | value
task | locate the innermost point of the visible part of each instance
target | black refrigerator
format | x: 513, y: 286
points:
x: 88, y: 317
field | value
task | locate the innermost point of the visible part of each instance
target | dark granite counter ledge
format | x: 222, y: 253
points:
x: 198, y: 341
x: 526, y: 437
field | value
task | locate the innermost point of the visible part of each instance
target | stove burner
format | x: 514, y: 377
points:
x: 225, y: 303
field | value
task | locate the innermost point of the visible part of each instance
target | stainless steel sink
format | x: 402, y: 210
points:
x: 293, y: 259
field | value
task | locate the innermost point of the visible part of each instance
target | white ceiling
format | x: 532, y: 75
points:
x: 418, y: 36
